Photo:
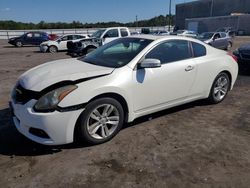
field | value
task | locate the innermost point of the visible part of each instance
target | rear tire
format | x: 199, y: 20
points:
x: 101, y: 120
x: 53, y: 49
x: 220, y: 88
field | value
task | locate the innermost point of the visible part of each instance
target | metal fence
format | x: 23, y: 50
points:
x: 6, y: 34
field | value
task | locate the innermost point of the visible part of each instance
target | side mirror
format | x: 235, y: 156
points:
x: 150, y: 63
x: 59, y: 40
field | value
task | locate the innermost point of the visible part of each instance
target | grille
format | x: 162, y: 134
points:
x: 22, y: 95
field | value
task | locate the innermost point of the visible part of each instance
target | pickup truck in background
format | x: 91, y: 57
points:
x: 99, y: 38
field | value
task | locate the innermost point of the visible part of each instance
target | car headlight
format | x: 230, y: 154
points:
x: 49, y: 101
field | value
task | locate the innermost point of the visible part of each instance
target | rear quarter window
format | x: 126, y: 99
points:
x: 223, y: 35
x: 124, y: 32
x: 199, y: 50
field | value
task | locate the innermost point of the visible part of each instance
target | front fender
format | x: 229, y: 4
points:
x: 118, y: 83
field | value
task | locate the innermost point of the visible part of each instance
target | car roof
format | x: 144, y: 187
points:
x: 157, y: 37
x: 210, y: 32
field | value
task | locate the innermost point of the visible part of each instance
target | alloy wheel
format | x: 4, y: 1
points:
x: 103, y: 121
x: 221, y: 88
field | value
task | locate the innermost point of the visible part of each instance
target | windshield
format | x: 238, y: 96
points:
x: 98, y: 33
x: 117, y: 53
x: 205, y: 36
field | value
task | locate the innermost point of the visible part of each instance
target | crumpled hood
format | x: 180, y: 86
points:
x: 42, y: 76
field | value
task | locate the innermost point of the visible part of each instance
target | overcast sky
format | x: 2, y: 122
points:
x: 83, y: 10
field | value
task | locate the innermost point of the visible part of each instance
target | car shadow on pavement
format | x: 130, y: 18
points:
x: 167, y: 112
x: 12, y: 143
x: 26, y: 46
x: 244, y: 70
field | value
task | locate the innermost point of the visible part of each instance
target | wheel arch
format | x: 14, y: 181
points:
x: 116, y: 96
x: 89, y: 46
x: 229, y: 76
x: 52, y: 45
x: 212, y: 81
x: 113, y: 95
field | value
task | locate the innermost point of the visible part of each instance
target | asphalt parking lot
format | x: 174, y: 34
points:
x: 194, y: 145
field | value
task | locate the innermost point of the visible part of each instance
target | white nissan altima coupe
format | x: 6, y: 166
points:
x: 95, y: 95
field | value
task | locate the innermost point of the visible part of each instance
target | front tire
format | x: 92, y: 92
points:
x: 101, y: 120
x: 53, y: 49
x: 18, y: 44
x: 220, y: 88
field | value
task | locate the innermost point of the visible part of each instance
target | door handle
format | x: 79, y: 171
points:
x: 189, y: 68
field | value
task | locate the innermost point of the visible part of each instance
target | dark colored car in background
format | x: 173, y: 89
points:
x: 243, y: 53
x: 30, y: 38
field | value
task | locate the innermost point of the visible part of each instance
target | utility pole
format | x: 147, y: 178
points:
x: 169, y: 15
x: 136, y: 21
x: 211, y: 8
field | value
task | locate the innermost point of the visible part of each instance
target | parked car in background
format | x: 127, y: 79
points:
x: 99, y: 38
x: 228, y: 30
x: 53, y: 36
x: 60, y: 43
x: 160, y: 32
x: 30, y: 38
x: 186, y: 33
x: 93, y: 96
x: 135, y: 33
x: 218, y: 40
x: 243, y: 54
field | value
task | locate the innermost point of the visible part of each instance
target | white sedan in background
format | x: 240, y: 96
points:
x: 187, y: 33
x: 93, y: 96
x: 60, y: 43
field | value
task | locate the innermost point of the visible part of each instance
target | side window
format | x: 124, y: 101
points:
x: 198, y: 49
x: 29, y: 35
x: 37, y: 35
x: 80, y: 37
x: 217, y: 36
x: 124, y: 32
x: 112, y: 33
x: 71, y: 37
x: 64, y: 38
x: 170, y: 51
x: 223, y: 35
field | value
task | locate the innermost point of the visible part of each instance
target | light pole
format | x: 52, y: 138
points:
x: 169, y: 15
x: 136, y: 21
x: 211, y: 8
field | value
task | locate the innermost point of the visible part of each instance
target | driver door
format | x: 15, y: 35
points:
x: 63, y: 42
x: 217, y: 41
x: 169, y: 84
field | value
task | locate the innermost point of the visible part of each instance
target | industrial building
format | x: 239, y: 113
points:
x: 209, y: 15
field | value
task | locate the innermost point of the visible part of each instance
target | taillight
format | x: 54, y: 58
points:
x: 233, y: 56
